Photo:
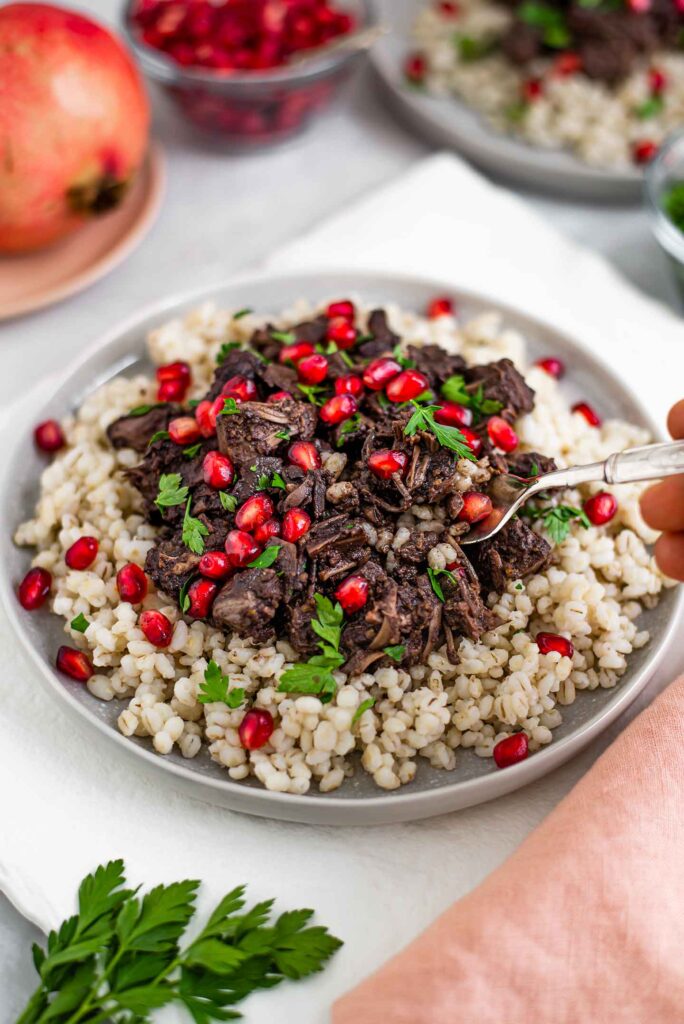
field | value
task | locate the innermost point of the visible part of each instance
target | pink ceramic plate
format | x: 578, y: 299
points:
x: 38, y: 279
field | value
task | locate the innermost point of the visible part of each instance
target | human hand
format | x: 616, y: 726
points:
x: 662, y: 506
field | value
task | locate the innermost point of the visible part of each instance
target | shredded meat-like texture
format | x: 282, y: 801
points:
x: 354, y: 514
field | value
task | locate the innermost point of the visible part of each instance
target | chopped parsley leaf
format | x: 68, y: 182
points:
x: 287, y: 337
x: 266, y: 558
x: 161, y: 435
x: 229, y: 501
x: 448, y: 437
x: 316, y: 675
x: 192, y: 451
x: 396, y: 653
x: 80, y: 623
x: 171, y: 491
x: 242, y: 312
x: 365, y: 705
x: 216, y: 689
x: 556, y: 521
x: 194, y: 531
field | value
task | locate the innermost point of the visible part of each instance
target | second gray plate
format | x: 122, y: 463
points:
x: 448, y: 122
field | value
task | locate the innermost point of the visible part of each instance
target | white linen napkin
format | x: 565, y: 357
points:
x: 68, y: 801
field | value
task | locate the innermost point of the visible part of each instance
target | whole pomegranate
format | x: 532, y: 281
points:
x: 74, y: 119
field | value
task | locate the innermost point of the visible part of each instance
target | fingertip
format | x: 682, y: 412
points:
x: 669, y: 554
x: 675, y: 420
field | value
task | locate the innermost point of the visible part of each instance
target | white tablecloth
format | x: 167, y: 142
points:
x: 68, y: 802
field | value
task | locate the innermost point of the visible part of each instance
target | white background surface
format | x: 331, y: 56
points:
x: 221, y: 215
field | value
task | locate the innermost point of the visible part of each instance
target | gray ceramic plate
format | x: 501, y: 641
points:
x: 359, y: 801
x: 450, y: 123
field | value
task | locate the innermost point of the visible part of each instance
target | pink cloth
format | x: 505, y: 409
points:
x: 583, y: 924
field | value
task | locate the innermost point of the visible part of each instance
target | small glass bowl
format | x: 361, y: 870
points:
x: 665, y: 170
x: 252, y: 108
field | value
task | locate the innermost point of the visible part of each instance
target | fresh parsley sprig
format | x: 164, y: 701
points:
x: 194, y: 532
x: 216, y: 688
x: 448, y: 437
x: 120, y: 956
x: 396, y: 652
x: 172, y: 491
x: 316, y: 675
x: 229, y: 501
x: 433, y: 576
x: 266, y: 558
x: 313, y: 392
x: 363, y: 706
x: 557, y: 520
x: 266, y: 482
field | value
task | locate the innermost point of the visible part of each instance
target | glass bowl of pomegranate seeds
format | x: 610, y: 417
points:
x: 250, y: 72
x: 665, y: 202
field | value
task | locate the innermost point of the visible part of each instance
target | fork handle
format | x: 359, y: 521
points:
x: 651, y: 462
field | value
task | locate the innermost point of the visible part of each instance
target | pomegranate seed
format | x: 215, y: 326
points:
x: 440, y: 306
x: 344, y: 308
x: 341, y: 332
x: 452, y: 414
x: 313, y: 369
x: 157, y: 628
x: 473, y: 440
x: 349, y: 384
x: 279, y: 396
x: 82, y: 553
x: 172, y: 390
x: 48, y: 436
x: 264, y: 532
x: 34, y: 589
x: 502, y: 434
x: 657, y: 81
x: 567, y: 64
x: 131, y: 582
x: 305, y: 455
x: 201, y: 595
x: 214, y: 564
x: 174, y: 371
x: 295, y: 353
x: 448, y: 8
x: 241, y: 548
x: 386, y: 462
x: 644, y: 151
x: 206, y: 419
x: 184, y: 430
x: 415, y: 68
x: 218, y: 470
x: 511, y: 750
x: 255, y: 511
x: 547, y: 642
x: 590, y: 415
x: 601, y: 508
x: 296, y: 523
x: 532, y: 89
x: 553, y: 366
x: 74, y: 663
x: 352, y: 594
x: 242, y: 389
x: 409, y: 384
x: 476, y: 507
x: 338, y: 408
x: 255, y: 729
x: 639, y: 6
x: 380, y: 372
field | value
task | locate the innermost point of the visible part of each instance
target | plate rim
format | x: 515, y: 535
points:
x: 315, y: 808
x: 499, y: 153
x: 154, y: 169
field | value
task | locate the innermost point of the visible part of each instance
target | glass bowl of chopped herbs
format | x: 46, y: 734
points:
x: 665, y: 202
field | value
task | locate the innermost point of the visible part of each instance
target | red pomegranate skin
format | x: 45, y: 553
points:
x: 74, y: 117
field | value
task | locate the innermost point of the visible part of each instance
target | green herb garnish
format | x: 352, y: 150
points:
x: 433, y: 575
x: 396, y: 653
x: 242, y: 312
x: 313, y: 392
x: 673, y: 204
x: 348, y: 426
x: 183, y: 596
x: 556, y: 521
x: 287, y: 337
x: 142, y: 410
x: 194, y: 531
x: 161, y: 435
x: 454, y: 390
x: 229, y: 501
x: 403, y: 360
x: 283, y: 435
x: 365, y: 705
x: 172, y: 491
x: 471, y: 49
x: 119, y: 958
x: 80, y: 623
x: 226, y: 347
x: 316, y: 676
x: 515, y: 112
x: 266, y: 558
x: 346, y: 359
x: 550, y: 20
x: 216, y: 689
x: 192, y: 451
x: 448, y: 437
x: 275, y: 480
x: 230, y: 407
x: 650, y: 108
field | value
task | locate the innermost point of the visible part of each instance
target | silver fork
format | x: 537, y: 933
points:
x: 508, y: 493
